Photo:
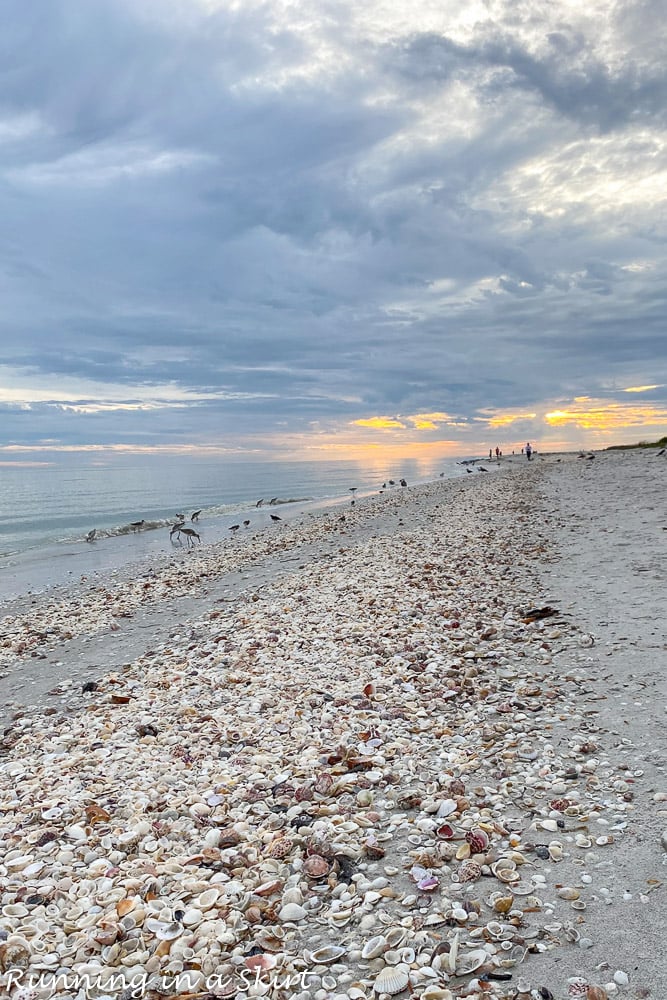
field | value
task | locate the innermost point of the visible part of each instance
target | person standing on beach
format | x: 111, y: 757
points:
x: 529, y: 450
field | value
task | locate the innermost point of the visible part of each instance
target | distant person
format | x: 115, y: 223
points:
x: 529, y: 450
x: 491, y: 454
x: 497, y: 454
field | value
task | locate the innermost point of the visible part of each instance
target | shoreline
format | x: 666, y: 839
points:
x: 353, y: 675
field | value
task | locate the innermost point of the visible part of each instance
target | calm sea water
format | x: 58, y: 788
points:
x: 46, y: 511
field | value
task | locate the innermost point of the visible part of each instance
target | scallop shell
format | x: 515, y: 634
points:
x: 392, y: 979
x: 596, y: 993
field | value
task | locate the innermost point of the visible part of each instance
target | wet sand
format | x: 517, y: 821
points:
x: 406, y: 592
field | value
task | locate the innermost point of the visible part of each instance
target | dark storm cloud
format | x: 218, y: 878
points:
x: 305, y: 224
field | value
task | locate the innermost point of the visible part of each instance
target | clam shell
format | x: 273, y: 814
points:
x: 470, y: 961
x: 291, y: 913
x: 374, y: 947
x: 392, y: 979
x: 327, y: 954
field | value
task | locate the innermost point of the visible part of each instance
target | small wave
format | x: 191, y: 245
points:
x: 133, y: 527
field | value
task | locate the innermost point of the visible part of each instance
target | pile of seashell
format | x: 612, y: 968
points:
x: 360, y: 778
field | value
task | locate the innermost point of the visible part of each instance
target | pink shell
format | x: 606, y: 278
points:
x: 469, y: 871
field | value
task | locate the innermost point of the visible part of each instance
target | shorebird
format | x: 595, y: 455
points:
x: 195, y: 515
x: 137, y: 525
x: 190, y: 534
x: 391, y: 482
x: 403, y: 482
x: 176, y: 529
x: 353, y: 488
x: 180, y: 517
x: 480, y: 468
x: 661, y: 452
x: 274, y: 517
x: 234, y: 527
x: 91, y: 535
x: 246, y: 524
x: 259, y: 502
x: 272, y: 501
x: 468, y: 470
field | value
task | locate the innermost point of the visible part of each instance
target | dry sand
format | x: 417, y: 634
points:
x: 340, y: 603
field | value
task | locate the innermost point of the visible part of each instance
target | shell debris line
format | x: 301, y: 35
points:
x: 364, y: 780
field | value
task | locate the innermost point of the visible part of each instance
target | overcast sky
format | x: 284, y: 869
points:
x: 309, y: 226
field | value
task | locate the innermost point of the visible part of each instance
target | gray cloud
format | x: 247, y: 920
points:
x: 322, y: 224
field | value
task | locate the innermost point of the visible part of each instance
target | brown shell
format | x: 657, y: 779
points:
x: 456, y: 787
x: 279, y: 848
x: 560, y: 805
x: 229, y: 837
x: 316, y: 866
x: 469, y: 871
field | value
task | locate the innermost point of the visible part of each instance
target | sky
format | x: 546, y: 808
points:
x: 288, y: 228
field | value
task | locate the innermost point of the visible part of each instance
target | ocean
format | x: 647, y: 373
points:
x: 46, y: 511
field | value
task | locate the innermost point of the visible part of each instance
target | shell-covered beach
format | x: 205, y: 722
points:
x: 413, y: 746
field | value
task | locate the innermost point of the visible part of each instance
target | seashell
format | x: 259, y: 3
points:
x: 470, y: 961
x: 446, y: 808
x: 327, y: 954
x: 279, y: 848
x: 568, y: 892
x: 397, y: 936
x: 596, y: 993
x: 456, y: 787
x: 469, y: 871
x: 14, y: 953
x: 445, y: 831
x: 478, y: 840
x: 503, y: 904
x: 292, y: 895
x: 577, y: 987
x: 437, y: 993
x: 291, y: 913
x: 392, y: 979
x: 555, y: 851
x: 560, y: 805
x: 262, y: 962
x: 192, y: 917
x: 374, y: 947
x: 206, y: 899
x: 316, y: 867
x: 581, y: 840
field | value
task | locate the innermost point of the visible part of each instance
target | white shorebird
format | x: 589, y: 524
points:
x: 91, y: 535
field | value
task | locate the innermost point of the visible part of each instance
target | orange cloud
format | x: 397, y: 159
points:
x: 642, y: 388
x: 604, y: 415
x: 505, y: 419
x: 379, y: 423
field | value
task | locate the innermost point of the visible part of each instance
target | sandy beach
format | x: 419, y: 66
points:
x: 414, y: 746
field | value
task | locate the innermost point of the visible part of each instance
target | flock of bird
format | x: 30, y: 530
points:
x: 179, y: 529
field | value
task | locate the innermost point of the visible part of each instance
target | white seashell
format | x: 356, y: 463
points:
x: 192, y: 917
x: 292, y: 913
x: 207, y: 899
x: 374, y: 947
x: 446, y: 808
x: 293, y: 895
x: 392, y: 979
x: 470, y: 961
x: 327, y: 954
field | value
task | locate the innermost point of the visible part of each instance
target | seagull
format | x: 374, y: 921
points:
x: 195, y: 515
x: 259, y: 502
x: 91, y: 535
x: 274, y: 517
x: 272, y: 501
x: 246, y: 524
x: 234, y: 527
